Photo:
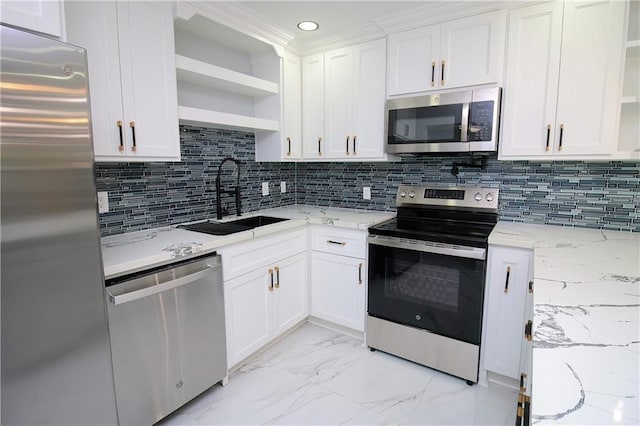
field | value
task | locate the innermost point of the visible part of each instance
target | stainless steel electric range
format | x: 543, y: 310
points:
x: 426, y: 277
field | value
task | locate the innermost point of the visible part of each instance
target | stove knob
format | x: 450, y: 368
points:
x: 403, y: 194
x: 478, y: 196
x: 412, y: 194
x: 489, y: 197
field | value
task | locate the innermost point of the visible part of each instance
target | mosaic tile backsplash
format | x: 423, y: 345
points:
x: 569, y: 193
x: 148, y: 195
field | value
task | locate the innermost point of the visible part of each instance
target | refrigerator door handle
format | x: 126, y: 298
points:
x: 118, y: 299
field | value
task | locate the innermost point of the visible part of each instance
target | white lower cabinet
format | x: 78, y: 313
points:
x: 338, y: 276
x: 508, y: 288
x: 266, y: 301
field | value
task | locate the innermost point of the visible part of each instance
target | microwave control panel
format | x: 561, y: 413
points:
x: 480, y: 121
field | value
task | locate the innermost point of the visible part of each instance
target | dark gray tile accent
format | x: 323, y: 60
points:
x: 604, y: 195
x: 567, y: 193
x: 146, y: 195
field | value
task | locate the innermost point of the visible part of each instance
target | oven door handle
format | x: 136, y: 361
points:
x: 425, y: 246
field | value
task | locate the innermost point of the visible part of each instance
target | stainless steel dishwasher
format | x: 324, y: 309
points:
x: 167, y: 337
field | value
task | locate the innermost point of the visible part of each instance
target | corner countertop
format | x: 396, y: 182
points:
x: 136, y: 251
x: 586, y: 345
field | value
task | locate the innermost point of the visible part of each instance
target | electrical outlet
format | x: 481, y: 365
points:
x: 283, y: 187
x: 265, y: 188
x: 103, y: 202
x: 366, y: 192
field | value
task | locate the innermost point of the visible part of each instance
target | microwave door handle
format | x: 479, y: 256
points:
x: 464, y: 128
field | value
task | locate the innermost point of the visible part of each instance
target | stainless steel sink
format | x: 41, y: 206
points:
x: 233, y: 226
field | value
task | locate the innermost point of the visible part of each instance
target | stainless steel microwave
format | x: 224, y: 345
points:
x: 464, y: 121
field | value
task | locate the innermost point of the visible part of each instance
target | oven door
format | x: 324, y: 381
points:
x: 432, y: 286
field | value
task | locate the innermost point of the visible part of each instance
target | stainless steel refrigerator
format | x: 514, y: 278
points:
x: 56, y: 360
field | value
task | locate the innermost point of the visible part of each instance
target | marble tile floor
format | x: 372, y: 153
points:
x: 321, y: 376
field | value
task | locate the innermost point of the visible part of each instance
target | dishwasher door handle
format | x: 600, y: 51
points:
x: 159, y: 288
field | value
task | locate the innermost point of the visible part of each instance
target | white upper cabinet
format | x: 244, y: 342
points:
x: 629, y: 136
x: 43, y: 16
x: 338, y: 101
x: 562, y: 86
x: 132, y: 79
x: 313, y: 106
x: 462, y: 52
x: 353, y: 107
x: 292, y: 106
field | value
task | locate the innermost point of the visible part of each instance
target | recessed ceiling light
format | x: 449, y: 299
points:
x: 308, y: 26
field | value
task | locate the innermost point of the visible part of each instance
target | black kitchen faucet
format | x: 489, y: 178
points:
x: 235, y: 191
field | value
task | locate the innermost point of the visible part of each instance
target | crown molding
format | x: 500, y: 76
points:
x: 239, y: 18
x: 436, y: 12
x: 363, y: 34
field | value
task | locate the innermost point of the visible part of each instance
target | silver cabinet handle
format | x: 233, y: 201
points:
x: 155, y: 289
x: 341, y: 243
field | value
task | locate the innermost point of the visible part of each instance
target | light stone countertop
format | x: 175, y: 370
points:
x: 136, y: 251
x: 586, y: 345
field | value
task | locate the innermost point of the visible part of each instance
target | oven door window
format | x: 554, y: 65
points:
x: 439, y: 293
x: 434, y: 124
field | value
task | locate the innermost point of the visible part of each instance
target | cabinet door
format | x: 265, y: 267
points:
x: 313, y: 106
x: 247, y: 314
x: 506, y: 293
x: 472, y: 50
x: 588, y: 95
x: 338, y: 105
x: 368, y: 100
x: 337, y: 289
x: 531, y: 85
x: 42, y: 16
x: 93, y: 25
x: 147, y: 61
x: 290, y: 295
x: 292, y: 106
x: 413, y: 60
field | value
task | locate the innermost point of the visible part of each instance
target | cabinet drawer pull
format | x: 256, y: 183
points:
x: 354, y: 144
x: 506, y: 281
x: 347, y: 145
x: 528, y: 330
x: 319, y: 148
x: 277, y: 277
x: 121, y: 147
x: 340, y: 243
x: 360, y: 273
x: 561, y: 134
x: 548, y: 136
x: 433, y: 74
x: 526, y: 418
x: 531, y: 287
x: 289, y: 148
x: 271, y: 285
x: 523, y: 377
x: 442, y: 75
x: 132, y: 124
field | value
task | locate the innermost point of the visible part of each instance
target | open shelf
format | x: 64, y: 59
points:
x: 217, y: 119
x: 633, y: 43
x: 208, y: 75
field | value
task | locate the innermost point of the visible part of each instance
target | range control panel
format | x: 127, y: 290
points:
x: 476, y: 197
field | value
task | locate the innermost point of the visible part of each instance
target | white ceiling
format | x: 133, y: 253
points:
x: 336, y: 18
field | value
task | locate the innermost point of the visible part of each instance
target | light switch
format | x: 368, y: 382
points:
x: 366, y: 192
x: 283, y: 187
x: 265, y: 188
x: 103, y: 202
